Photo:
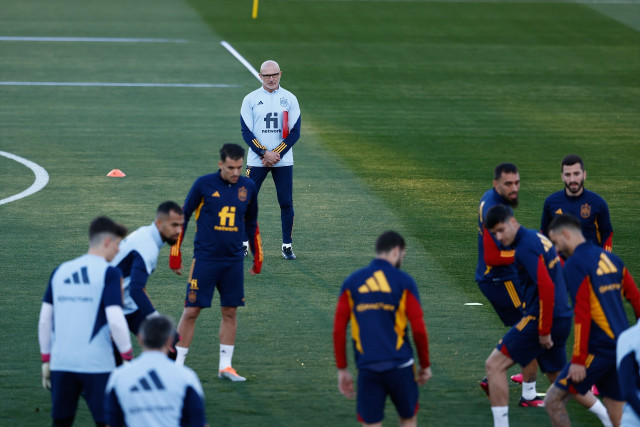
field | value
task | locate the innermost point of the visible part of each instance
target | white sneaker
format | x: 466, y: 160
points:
x: 230, y: 374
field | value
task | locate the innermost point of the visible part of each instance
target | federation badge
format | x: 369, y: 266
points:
x: 585, y: 211
x: 242, y: 194
x: 192, y: 297
x: 283, y: 102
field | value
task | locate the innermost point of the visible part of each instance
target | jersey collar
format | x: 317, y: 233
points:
x: 155, y: 233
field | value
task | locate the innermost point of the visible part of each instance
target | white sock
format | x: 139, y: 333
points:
x: 286, y: 245
x: 601, y: 412
x: 226, y: 353
x: 529, y: 390
x: 500, y: 416
x: 181, y: 354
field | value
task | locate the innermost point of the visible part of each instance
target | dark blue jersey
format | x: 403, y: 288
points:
x: 541, y: 281
x: 597, y: 282
x: 494, y: 261
x: 380, y: 300
x: 222, y: 211
x: 589, y: 208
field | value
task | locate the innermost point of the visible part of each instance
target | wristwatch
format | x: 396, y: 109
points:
x: 262, y: 153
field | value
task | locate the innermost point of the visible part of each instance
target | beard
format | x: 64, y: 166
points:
x: 572, y: 191
x: 170, y: 240
x: 513, y: 202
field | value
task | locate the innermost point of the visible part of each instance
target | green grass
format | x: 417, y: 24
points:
x: 406, y: 107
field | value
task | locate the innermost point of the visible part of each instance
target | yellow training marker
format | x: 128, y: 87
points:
x: 254, y: 14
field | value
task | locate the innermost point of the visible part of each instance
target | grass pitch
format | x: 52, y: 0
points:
x: 406, y: 107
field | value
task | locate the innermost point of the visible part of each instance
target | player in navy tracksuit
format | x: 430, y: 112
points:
x: 496, y: 272
x: 380, y: 300
x: 546, y: 322
x: 597, y: 281
x: 587, y: 206
x: 225, y: 205
x: 270, y: 124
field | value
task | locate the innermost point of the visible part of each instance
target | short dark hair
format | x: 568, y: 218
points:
x: 389, y: 240
x: 497, y: 215
x: 570, y: 160
x: 565, y: 221
x: 156, y: 330
x: 232, y: 151
x: 167, y: 207
x: 504, y: 168
x: 102, y: 224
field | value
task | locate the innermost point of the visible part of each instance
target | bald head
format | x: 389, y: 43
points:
x: 270, y: 75
x: 269, y: 66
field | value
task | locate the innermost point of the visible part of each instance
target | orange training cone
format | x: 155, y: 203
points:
x: 116, y: 173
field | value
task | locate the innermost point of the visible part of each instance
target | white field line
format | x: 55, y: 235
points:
x: 476, y: 1
x: 199, y: 85
x: 42, y: 178
x: 241, y: 59
x: 90, y: 39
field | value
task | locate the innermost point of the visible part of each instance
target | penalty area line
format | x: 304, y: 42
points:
x: 90, y: 39
x: 198, y: 85
x: 42, y: 178
x: 240, y: 58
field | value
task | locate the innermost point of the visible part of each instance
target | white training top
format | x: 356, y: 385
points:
x: 147, y: 242
x: 262, y: 113
x: 79, y: 291
x: 154, y: 391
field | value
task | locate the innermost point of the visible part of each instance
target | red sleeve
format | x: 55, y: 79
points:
x: 608, y: 244
x: 419, y: 330
x: 492, y: 254
x: 630, y: 292
x: 582, y: 323
x: 256, y: 247
x: 175, y: 257
x: 546, y: 295
x: 343, y: 314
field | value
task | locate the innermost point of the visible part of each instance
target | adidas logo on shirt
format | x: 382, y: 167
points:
x: 75, y: 277
x: 260, y: 103
x: 145, y: 385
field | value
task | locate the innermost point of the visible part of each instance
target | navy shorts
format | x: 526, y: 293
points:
x: 66, y: 388
x: 601, y: 371
x: 504, y: 298
x: 374, y: 387
x: 206, y: 276
x: 521, y: 343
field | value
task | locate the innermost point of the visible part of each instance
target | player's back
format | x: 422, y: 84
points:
x: 153, y: 391
x: 143, y: 244
x: 597, y: 275
x: 378, y: 296
x: 81, y: 340
x: 538, y: 264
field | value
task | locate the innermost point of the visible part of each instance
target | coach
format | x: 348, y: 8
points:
x: 270, y: 122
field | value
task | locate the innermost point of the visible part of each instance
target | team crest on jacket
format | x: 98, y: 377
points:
x: 585, y: 211
x: 283, y: 102
x: 242, y: 194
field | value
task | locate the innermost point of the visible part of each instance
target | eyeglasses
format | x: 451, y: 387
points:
x: 266, y: 76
